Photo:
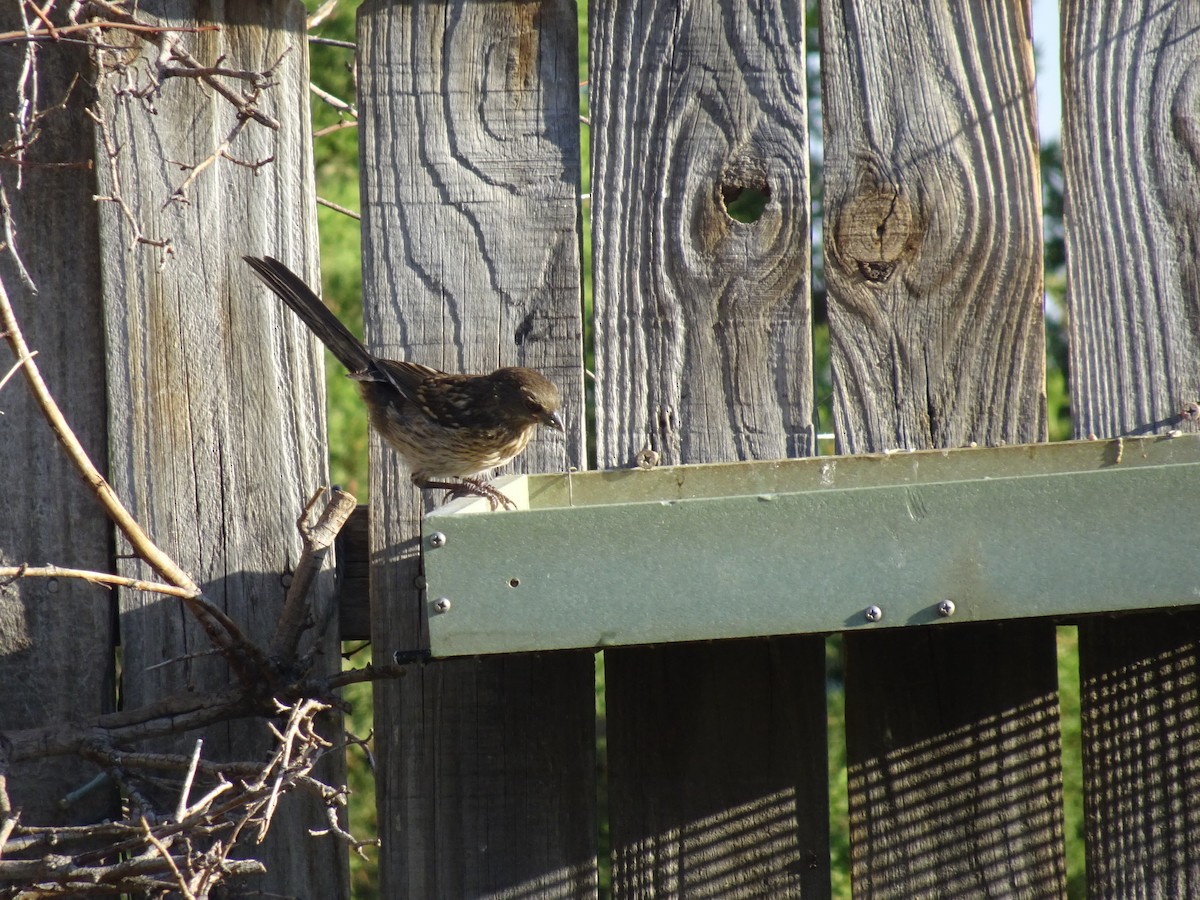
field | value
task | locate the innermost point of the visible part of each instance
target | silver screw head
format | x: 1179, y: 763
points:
x: 442, y: 604
x: 437, y: 539
x: 873, y: 614
x: 946, y: 608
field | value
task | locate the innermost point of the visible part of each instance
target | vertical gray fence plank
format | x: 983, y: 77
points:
x: 216, y: 394
x: 470, y: 187
x: 934, y: 265
x: 1131, y: 155
x: 56, y: 636
x: 717, y: 752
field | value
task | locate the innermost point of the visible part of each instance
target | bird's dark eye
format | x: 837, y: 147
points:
x: 533, y: 406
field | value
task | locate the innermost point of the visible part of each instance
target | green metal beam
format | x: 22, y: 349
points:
x: 688, y: 553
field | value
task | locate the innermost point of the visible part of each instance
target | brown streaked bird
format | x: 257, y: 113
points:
x: 443, y: 426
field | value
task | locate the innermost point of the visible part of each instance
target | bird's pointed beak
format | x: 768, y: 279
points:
x: 554, y: 420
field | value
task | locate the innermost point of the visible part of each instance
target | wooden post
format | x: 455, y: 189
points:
x: 934, y: 266
x: 56, y: 636
x: 718, y: 781
x: 217, y: 427
x: 1130, y: 156
x: 470, y: 191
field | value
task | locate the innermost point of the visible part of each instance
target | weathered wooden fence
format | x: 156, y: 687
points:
x: 717, y: 782
x: 175, y: 374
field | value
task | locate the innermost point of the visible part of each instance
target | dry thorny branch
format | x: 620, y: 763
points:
x: 190, y: 848
x: 147, y: 849
x: 123, y: 77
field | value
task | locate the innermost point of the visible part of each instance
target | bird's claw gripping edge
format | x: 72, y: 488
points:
x: 469, y: 487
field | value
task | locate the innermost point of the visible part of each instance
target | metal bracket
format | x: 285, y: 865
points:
x: 826, y: 544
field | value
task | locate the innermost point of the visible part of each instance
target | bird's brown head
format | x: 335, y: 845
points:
x: 526, y: 395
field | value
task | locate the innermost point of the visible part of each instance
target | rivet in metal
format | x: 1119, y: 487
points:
x: 873, y: 614
x: 442, y: 604
x: 437, y: 539
x: 946, y: 608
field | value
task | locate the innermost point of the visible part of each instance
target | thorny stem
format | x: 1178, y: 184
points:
x: 162, y: 39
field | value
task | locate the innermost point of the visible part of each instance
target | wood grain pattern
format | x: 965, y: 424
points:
x: 703, y: 348
x: 470, y: 187
x: 717, y: 751
x: 1131, y: 150
x: 217, y: 427
x: 1131, y: 155
x: 56, y: 636
x: 933, y: 237
x: 934, y: 269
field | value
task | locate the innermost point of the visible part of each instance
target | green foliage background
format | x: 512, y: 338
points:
x: 336, y: 156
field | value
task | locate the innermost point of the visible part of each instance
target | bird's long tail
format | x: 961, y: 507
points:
x: 316, y: 315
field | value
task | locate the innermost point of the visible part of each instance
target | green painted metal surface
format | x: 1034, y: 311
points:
x: 722, y: 551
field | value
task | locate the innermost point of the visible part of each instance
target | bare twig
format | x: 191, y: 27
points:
x: 249, y: 164
x: 330, y: 42
x: 50, y: 29
x: 175, y: 714
x: 220, y: 629
x: 169, y: 48
x: 190, y: 853
x: 331, y: 205
x: 27, y: 91
x: 8, y: 818
x: 179, y: 195
x: 10, y: 240
x: 183, y: 657
x: 317, y: 539
x: 166, y: 855
x: 112, y: 152
x: 369, y: 672
x: 55, y: 33
x: 336, y: 102
x: 13, y: 371
x: 85, y: 164
x: 9, y: 574
x: 337, y: 126
x: 258, y: 80
x: 341, y: 834
x: 186, y: 787
x: 116, y: 510
x: 320, y: 14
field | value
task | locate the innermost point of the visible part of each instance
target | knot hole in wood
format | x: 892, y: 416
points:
x: 744, y: 195
x: 874, y: 232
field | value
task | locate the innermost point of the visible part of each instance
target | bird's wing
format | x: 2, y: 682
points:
x: 450, y: 400
x: 459, y: 401
x: 406, y: 377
